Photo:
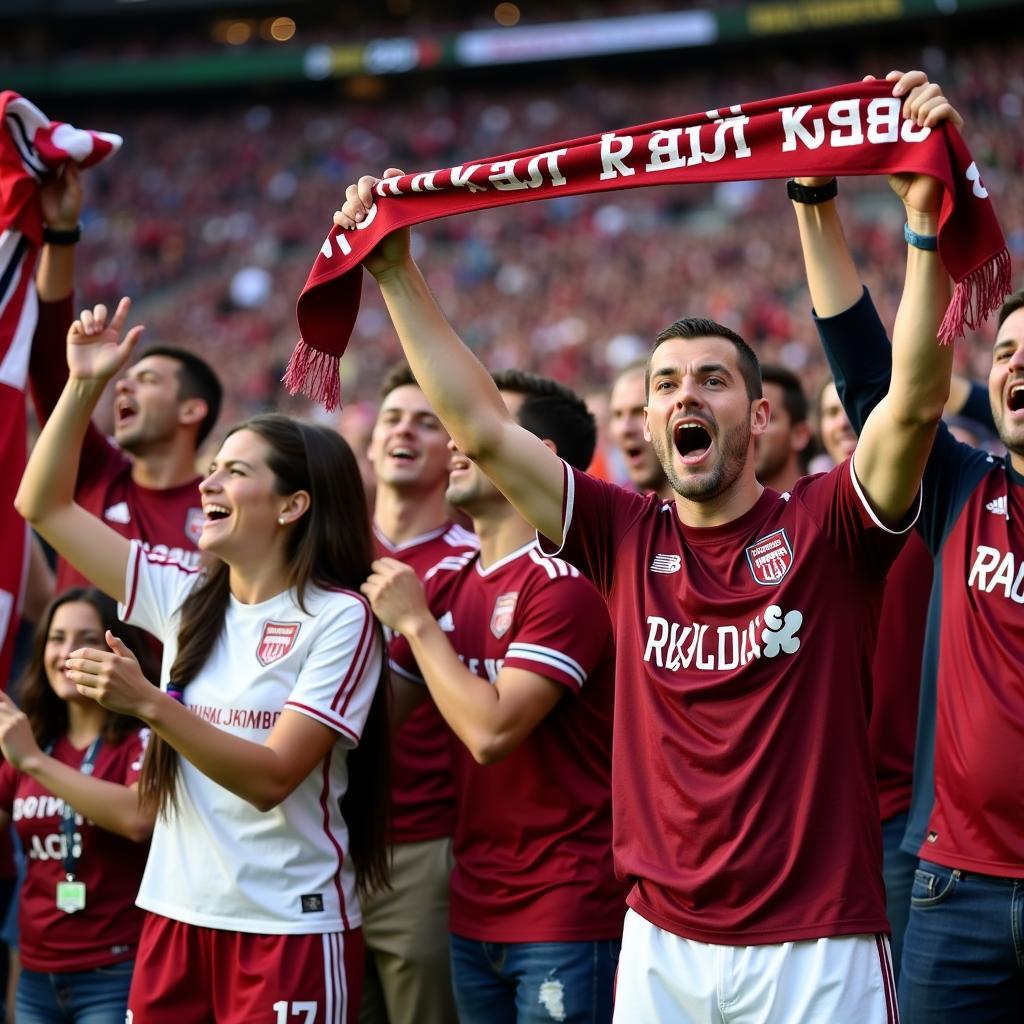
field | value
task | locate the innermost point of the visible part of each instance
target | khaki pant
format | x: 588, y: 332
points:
x: 408, y: 973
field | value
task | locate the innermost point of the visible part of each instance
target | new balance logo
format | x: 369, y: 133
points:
x: 447, y: 623
x: 118, y: 513
x: 998, y: 506
x: 666, y: 564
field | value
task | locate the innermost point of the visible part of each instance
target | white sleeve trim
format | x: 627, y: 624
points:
x: 547, y: 656
x: 332, y: 721
x: 871, y: 512
x: 570, y: 494
x: 131, y: 578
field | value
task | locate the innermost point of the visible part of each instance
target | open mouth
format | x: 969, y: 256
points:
x: 124, y: 412
x: 692, y: 440
x: 402, y: 454
x: 1015, y: 399
x: 215, y: 513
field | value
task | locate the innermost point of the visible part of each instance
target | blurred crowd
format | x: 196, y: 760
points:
x: 210, y: 219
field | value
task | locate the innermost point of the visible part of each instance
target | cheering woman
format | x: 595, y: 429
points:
x: 268, y: 819
x: 69, y: 781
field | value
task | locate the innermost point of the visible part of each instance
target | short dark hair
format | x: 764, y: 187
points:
x: 399, y: 376
x: 554, y: 413
x: 701, y: 327
x: 1010, y: 306
x: 196, y: 379
x: 794, y: 401
x: 637, y: 365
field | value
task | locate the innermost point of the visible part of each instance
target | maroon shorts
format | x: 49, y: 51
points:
x: 190, y: 975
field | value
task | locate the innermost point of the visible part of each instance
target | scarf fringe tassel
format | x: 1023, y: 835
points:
x: 315, y: 374
x: 976, y: 297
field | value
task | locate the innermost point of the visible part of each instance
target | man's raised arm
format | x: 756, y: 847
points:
x: 898, y: 435
x: 455, y: 382
x: 855, y: 341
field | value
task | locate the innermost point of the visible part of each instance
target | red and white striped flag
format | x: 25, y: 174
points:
x: 31, y: 148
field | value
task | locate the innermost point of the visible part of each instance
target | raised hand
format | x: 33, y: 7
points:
x: 927, y: 107
x: 60, y: 198
x: 16, y: 740
x: 111, y: 678
x: 395, y: 594
x: 925, y: 103
x: 359, y: 199
x: 96, y: 350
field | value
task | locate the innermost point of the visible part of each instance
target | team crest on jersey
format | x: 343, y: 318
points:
x: 277, y: 640
x: 194, y: 520
x: 504, y: 609
x: 770, y: 558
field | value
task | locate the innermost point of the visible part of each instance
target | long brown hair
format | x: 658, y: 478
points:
x: 46, y: 712
x: 330, y: 546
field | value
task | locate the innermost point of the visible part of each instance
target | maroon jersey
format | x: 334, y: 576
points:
x: 896, y: 672
x: 168, y: 521
x: 977, y: 822
x: 423, y: 794
x: 533, y: 859
x: 107, y: 930
x: 967, y: 809
x: 745, y: 801
x: 8, y: 867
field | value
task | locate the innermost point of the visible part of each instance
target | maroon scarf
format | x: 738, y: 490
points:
x: 848, y: 130
x: 31, y: 147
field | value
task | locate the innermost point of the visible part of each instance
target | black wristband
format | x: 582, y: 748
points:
x: 812, y: 194
x: 62, y: 236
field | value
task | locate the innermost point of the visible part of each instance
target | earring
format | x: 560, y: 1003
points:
x: 280, y: 520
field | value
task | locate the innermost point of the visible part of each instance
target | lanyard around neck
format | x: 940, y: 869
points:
x: 67, y: 824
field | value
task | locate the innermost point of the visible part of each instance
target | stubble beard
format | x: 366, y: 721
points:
x: 1011, y: 435
x: 707, y: 486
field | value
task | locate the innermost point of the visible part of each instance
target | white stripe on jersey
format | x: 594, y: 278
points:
x: 451, y: 563
x: 547, y: 656
x: 554, y: 567
x: 14, y: 368
x: 460, y: 537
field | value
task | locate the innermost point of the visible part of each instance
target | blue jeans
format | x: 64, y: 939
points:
x: 963, y: 953
x: 898, y: 869
x: 99, y: 996
x: 533, y: 982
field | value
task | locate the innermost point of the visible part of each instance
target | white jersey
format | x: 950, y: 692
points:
x: 218, y: 862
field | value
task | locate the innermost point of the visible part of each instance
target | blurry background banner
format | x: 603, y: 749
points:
x: 30, y: 147
x: 244, y: 120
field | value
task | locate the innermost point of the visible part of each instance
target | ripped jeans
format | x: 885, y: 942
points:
x: 534, y: 982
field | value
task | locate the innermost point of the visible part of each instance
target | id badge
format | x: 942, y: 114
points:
x: 70, y: 896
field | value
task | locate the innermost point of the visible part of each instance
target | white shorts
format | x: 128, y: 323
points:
x: 664, y: 978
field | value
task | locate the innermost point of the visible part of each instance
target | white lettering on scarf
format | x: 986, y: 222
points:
x: 849, y: 120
